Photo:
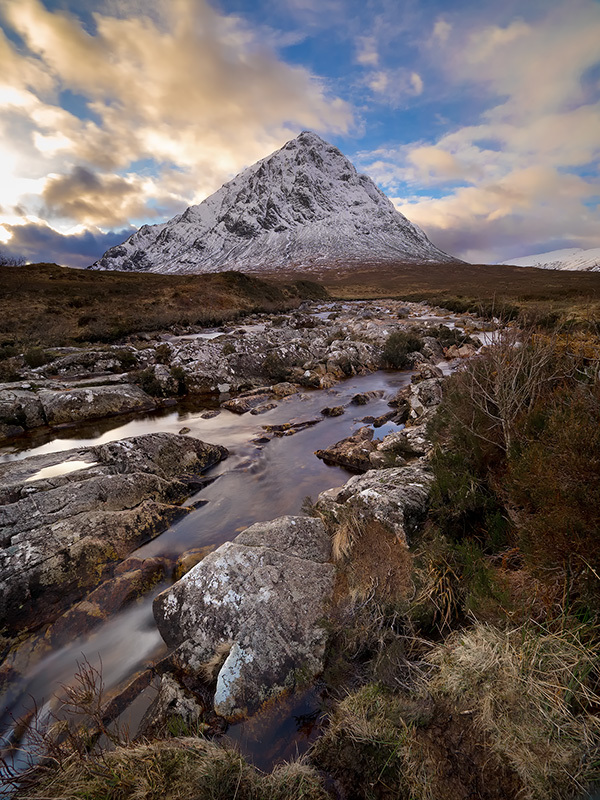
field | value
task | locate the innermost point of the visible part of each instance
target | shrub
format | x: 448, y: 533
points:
x: 36, y: 357
x: 397, y: 347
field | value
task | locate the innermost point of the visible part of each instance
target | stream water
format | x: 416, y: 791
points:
x: 259, y: 481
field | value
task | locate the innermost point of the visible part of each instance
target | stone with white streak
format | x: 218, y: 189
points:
x: 264, y: 593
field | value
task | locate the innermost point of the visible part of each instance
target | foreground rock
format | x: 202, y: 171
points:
x: 64, y: 516
x: 259, y: 600
x: 397, y: 497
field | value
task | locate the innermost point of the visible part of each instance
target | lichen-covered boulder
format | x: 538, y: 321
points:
x: 263, y: 597
x: 397, y: 497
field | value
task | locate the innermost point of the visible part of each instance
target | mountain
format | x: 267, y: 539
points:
x: 571, y: 258
x: 303, y: 206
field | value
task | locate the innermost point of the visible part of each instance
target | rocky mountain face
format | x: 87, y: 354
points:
x: 303, y: 206
x: 570, y: 259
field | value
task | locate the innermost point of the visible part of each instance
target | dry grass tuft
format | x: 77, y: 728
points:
x: 210, y: 669
x: 535, y: 692
x: 177, y: 769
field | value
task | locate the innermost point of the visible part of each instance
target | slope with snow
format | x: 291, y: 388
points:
x: 303, y: 206
x: 571, y: 258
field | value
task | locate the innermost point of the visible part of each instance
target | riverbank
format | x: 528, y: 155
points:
x: 410, y: 607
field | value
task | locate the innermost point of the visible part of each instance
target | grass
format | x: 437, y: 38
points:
x: 547, y: 296
x: 176, y: 769
x: 44, y: 305
x: 534, y: 690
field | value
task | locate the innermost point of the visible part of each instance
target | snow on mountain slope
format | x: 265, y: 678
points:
x: 571, y: 258
x: 303, y: 206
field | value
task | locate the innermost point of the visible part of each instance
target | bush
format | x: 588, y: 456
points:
x: 36, y: 357
x: 397, y: 347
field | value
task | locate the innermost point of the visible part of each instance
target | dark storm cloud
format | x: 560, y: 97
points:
x: 38, y: 242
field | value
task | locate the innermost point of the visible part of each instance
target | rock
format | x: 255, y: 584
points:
x: 93, y: 402
x: 58, y: 532
x: 20, y: 409
x: 240, y: 405
x: 189, y: 559
x: 173, y: 707
x: 426, y: 371
x: 353, y: 452
x: 211, y: 414
x: 410, y: 442
x: 264, y: 593
x: 397, y: 497
x: 289, y: 428
x: 333, y: 411
x: 362, y: 398
x: 464, y: 351
x: 263, y: 409
x: 284, y: 389
x: 184, y: 430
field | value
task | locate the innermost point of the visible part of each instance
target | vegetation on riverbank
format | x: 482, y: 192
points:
x: 468, y: 665
x: 44, y: 305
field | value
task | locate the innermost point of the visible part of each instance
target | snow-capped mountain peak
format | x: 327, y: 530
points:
x: 303, y: 206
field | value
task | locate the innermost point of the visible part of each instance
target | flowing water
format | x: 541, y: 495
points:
x: 259, y: 481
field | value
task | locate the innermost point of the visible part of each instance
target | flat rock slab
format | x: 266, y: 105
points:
x: 93, y: 402
x: 261, y: 596
x: 64, y: 516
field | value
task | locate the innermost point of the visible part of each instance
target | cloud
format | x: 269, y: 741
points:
x: 179, y: 84
x: 367, y: 54
x: 37, y: 241
x: 527, y: 170
x: 84, y: 196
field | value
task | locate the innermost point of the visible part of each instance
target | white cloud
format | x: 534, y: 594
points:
x: 179, y: 83
x: 528, y: 170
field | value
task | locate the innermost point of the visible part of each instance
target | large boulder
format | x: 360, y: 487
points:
x: 261, y: 599
x: 93, y: 402
x: 65, y: 516
x: 397, y: 497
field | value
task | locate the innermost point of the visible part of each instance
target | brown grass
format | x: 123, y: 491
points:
x: 48, y: 305
x: 535, y: 692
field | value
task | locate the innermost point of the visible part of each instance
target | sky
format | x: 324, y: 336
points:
x: 479, y: 119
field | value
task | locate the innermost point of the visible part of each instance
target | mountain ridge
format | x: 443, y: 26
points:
x: 303, y: 206
x: 569, y: 259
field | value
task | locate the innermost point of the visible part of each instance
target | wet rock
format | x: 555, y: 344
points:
x: 333, y: 411
x: 362, y: 398
x: 263, y: 409
x: 184, y: 430
x: 59, y: 531
x: 93, y: 402
x: 353, y: 452
x: 211, y: 414
x: 284, y: 389
x: 264, y: 593
x: 189, y: 559
x: 240, y: 405
x: 289, y: 428
x: 397, y: 497
x: 175, y: 709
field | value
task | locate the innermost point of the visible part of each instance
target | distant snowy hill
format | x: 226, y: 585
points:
x: 303, y: 206
x: 571, y: 258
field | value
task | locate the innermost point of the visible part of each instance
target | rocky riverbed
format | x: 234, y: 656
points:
x: 247, y: 622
